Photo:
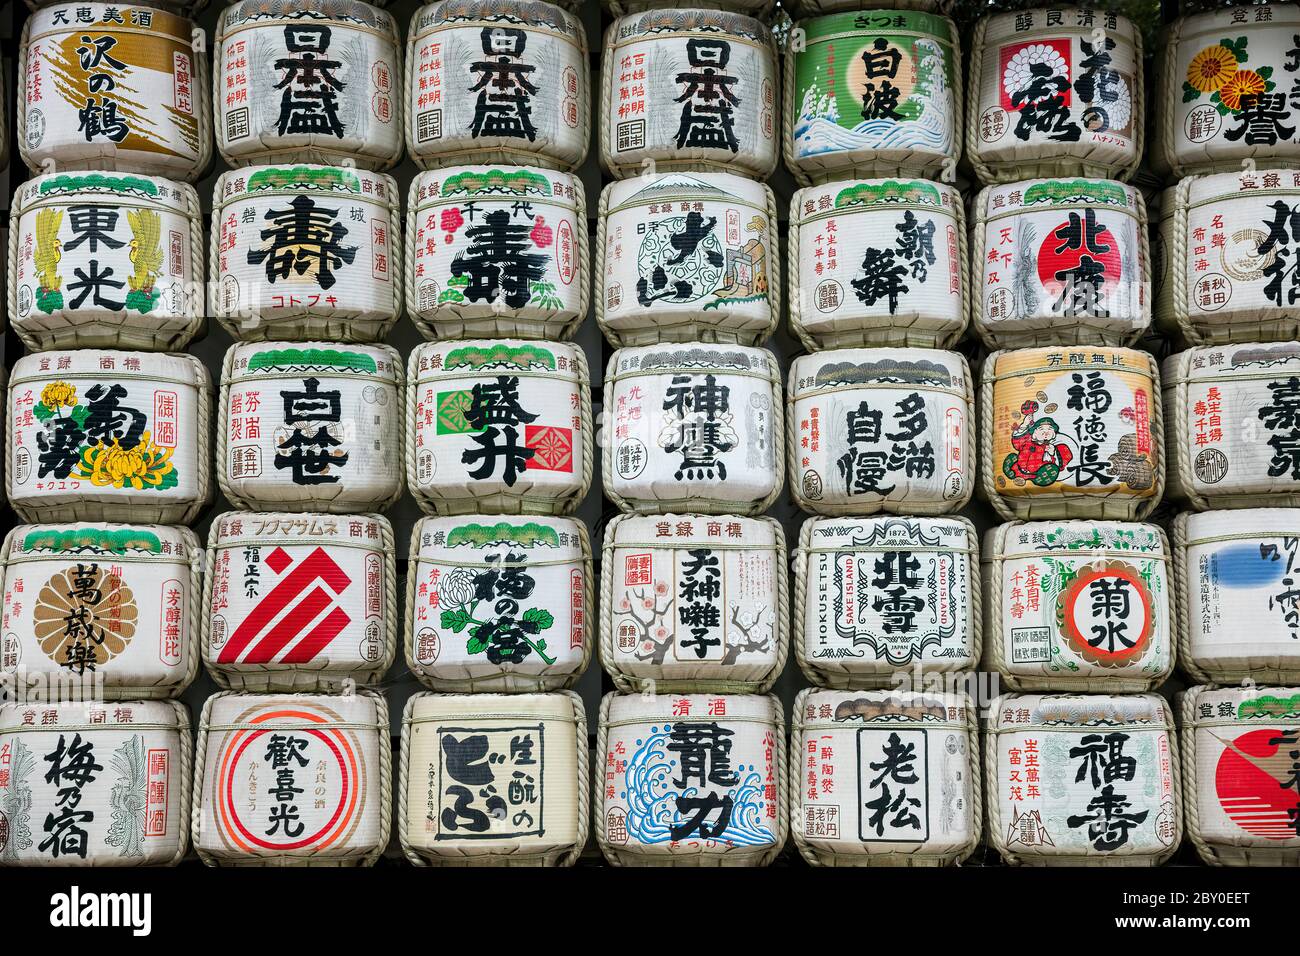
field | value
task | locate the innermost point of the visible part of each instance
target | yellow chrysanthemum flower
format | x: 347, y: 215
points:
x: 1241, y: 84
x: 145, y: 464
x: 58, y: 395
x: 1211, y: 68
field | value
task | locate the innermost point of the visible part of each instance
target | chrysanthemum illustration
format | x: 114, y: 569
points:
x: 58, y: 395
x: 84, y: 617
x: 1211, y: 68
x: 145, y: 464
x: 1243, y: 83
x: 1018, y: 73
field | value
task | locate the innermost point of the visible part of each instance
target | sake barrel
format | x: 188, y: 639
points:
x: 876, y: 599
x: 1078, y: 605
x: 1237, y: 595
x: 499, y: 604
x: 311, y: 427
x: 695, y: 427
x: 497, y: 251
x: 873, y: 430
x: 494, y: 779
x: 1056, y: 92
x: 1064, y: 263
x: 689, y: 89
x: 299, y: 602
x: 1232, y: 428
x: 497, y: 81
x: 684, y: 257
x: 1071, y: 433
x: 97, y: 435
x: 101, y: 611
x: 1233, y: 250
x: 878, y: 262
x: 106, y: 259
x: 114, y: 88
x: 1082, y: 780
x: 94, y: 784
x: 901, y: 766
x: 1223, y: 81
x: 873, y: 93
x: 319, y: 81
x: 691, y: 780
x: 1239, y: 783
x: 690, y: 603
x: 328, y: 760
x: 306, y: 252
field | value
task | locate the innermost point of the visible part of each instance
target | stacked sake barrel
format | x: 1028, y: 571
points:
x: 300, y: 617
x: 1228, y: 146
x: 107, y: 439
x: 693, y: 599
x: 499, y: 437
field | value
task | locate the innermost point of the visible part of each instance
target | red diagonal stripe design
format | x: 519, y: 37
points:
x: 316, y: 565
x: 290, y: 626
x: 318, y: 638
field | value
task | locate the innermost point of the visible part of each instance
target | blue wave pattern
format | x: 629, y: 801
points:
x: 652, y: 798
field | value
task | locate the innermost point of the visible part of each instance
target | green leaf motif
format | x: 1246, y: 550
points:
x: 456, y: 621
x: 1190, y: 92
x: 476, y: 645
x: 539, y: 616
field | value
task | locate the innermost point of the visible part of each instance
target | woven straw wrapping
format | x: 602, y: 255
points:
x: 357, y: 488
x: 321, y: 672
x: 1068, y: 668
x: 366, y: 318
x: 494, y: 319
x: 894, y: 375
x: 753, y: 472
x: 451, y: 674
x: 652, y: 325
x: 539, y: 21
x: 125, y: 327
x: 1238, y: 788
x: 693, y: 675
x: 1156, y: 717
x: 618, y: 8
x: 122, y: 503
x: 868, y: 162
x: 1122, y: 505
x: 348, y: 24
x: 1226, y: 406
x: 1048, y: 156
x: 751, y: 64
x: 555, y: 843
x: 921, y: 320
x: 1265, y: 34
x: 171, y: 678
x: 75, y: 151
x: 1164, y: 269
x: 123, y: 772
x: 460, y: 498
x: 1120, y: 317
x: 918, y: 537
x: 759, y: 716
x: 1238, y: 209
x: 1235, y: 629
x: 317, y: 715
x: 957, y: 791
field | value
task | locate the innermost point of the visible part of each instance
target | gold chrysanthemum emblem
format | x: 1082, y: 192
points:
x: 84, y: 617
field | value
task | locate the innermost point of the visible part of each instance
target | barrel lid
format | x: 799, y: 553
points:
x: 523, y: 13
x: 1080, y: 712
x: 647, y: 23
x: 486, y: 181
x: 668, y: 358
x: 639, y: 708
x: 672, y: 531
x: 58, y: 188
x: 347, y: 12
x: 239, y: 528
x: 253, y: 360
x: 90, y: 717
x: 343, y: 181
x: 110, y: 364
x: 850, y: 710
x: 229, y: 711
x: 559, y: 707
x: 659, y: 188
x: 561, y: 361
x: 451, y: 540
x: 1244, y: 705
x: 91, y: 538
x: 863, y: 368
x: 860, y: 195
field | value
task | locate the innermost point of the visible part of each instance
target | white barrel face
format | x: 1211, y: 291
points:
x: 93, y: 784
x: 499, y: 602
x: 690, y: 87
x: 107, y: 259
x: 108, y: 608
x: 1067, y: 786
x: 885, y: 773
x: 881, y: 429
x: 295, y: 596
x: 885, y: 595
x: 316, y: 426
x: 497, y: 82
x: 492, y: 775
x: 502, y: 421
x: 722, y: 798
x: 323, y: 84
x: 113, y: 432
x: 327, y: 747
